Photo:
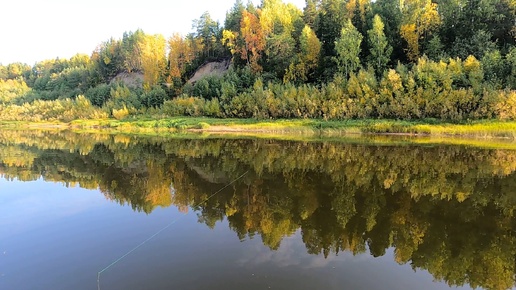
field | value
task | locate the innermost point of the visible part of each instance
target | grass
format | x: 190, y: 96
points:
x: 428, y: 127
x: 486, y: 134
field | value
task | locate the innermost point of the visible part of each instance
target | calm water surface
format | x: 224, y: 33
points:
x: 177, y: 213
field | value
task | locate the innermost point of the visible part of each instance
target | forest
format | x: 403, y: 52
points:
x: 450, y: 60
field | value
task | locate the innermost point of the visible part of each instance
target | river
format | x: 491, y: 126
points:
x: 112, y: 211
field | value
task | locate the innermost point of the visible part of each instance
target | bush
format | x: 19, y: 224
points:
x: 184, y: 106
x: 120, y: 114
x: 99, y: 94
x: 506, y: 107
x: 203, y: 125
x: 63, y: 110
x: 154, y: 98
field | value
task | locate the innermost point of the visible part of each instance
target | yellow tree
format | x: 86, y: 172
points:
x: 357, y: 6
x: 229, y: 39
x: 420, y: 17
x: 277, y: 21
x: 254, y: 40
x: 180, y: 55
x: 307, y: 59
x: 277, y: 17
x: 153, y: 59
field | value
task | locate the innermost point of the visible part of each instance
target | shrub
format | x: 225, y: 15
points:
x: 120, y: 114
x: 184, y: 106
x: 507, y: 105
x: 64, y: 110
x: 203, y: 125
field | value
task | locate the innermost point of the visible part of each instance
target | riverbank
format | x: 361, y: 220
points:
x: 429, y: 127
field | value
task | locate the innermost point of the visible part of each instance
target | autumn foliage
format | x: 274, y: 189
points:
x: 335, y: 59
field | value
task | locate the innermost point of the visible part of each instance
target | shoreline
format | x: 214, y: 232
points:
x: 483, y: 129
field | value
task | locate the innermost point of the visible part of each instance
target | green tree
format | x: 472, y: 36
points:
x: 131, y: 50
x: 329, y: 21
x: 234, y: 16
x: 108, y: 59
x: 389, y: 11
x: 348, y: 49
x: 379, y: 48
x: 310, y: 12
x: 209, y: 32
x: 462, y: 19
x: 280, y: 53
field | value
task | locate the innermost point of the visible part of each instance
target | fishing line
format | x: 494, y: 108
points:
x: 161, y: 230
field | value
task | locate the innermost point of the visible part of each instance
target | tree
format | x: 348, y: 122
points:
x: 180, y: 55
x: 511, y: 63
x: 208, y: 31
x: 234, y: 16
x: 131, y: 50
x: 461, y: 19
x: 254, y: 40
x: 307, y: 58
x: 348, y: 48
x: 277, y: 20
x: 478, y: 43
x: 420, y: 17
x: 280, y: 53
x: 331, y: 17
x: 79, y: 61
x: 153, y: 59
x: 379, y: 49
x: 108, y: 59
x: 357, y: 10
x: 310, y: 12
x: 389, y: 11
x: 277, y: 17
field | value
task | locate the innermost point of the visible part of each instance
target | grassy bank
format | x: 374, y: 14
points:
x: 431, y: 127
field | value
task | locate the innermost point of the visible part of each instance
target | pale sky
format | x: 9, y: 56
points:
x: 35, y: 30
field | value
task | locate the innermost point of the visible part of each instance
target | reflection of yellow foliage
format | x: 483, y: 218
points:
x: 159, y: 197
x: 266, y: 225
x: 158, y: 186
x: 461, y: 196
x: 231, y: 208
x: 14, y: 157
x: 123, y: 139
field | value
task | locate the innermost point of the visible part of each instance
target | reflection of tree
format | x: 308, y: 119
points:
x: 446, y: 209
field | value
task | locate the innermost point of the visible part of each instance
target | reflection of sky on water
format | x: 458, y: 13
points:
x: 288, y: 255
x: 27, y: 205
x: 342, y: 271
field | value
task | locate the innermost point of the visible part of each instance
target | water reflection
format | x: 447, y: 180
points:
x: 446, y: 209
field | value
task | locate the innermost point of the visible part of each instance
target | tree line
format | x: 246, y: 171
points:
x: 335, y: 59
